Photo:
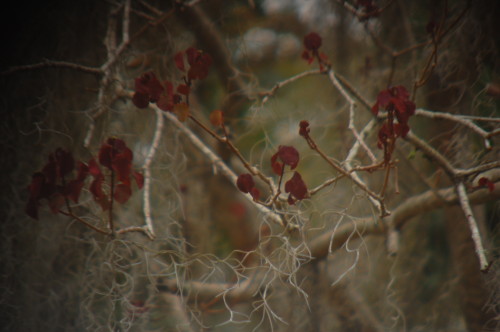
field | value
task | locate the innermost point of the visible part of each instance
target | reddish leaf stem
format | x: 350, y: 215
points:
x: 89, y: 225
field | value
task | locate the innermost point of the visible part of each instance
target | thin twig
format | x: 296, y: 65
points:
x: 147, y: 171
x: 54, y: 64
x: 279, y: 85
x: 476, y: 236
x: 352, y: 104
x: 465, y: 122
x: 139, y: 229
x: 89, y: 225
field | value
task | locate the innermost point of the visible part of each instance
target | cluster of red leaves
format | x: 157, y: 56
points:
x: 148, y: 89
x: 396, y: 102
x: 246, y: 184
x: 295, y: 187
x: 117, y: 157
x: 312, y: 43
x: 198, y: 61
x: 53, y: 182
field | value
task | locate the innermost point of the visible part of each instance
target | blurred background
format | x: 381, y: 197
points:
x: 217, y: 264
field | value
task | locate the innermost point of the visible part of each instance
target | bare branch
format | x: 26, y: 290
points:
x: 411, y: 207
x: 463, y: 121
x: 279, y: 85
x: 147, y: 171
x: 476, y: 236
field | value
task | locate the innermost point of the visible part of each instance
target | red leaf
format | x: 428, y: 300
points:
x: 192, y: 55
x: 36, y: 186
x: 288, y: 155
x: 149, y: 85
x: 139, y: 179
x: 105, y: 155
x: 255, y: 193
x: 65, y: 162
x: 122, y: 193
x: 94, y: 169
x: 183, y: 89
x: 179, y: 60
x: 312, y: 41
x: 296, y: 187
x: 166, y: 100
x: 245, y: 183
x: 122, y: 165
x: 401, y: 129
x: 199, y: 63
x: 276, y: 165
x: 73, y: 190
x: 50, y: 170
x: 96, y: 188
x: 140, y: 100
x: 83, y: 171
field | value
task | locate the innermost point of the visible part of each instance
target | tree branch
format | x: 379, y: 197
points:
x: 411, y: 207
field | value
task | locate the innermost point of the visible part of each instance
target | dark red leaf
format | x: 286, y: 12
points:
x: 140, y: 100
x: 199, y: 63
x: 122, y: 193
x: 183, y: 89
x: 192, y: 55
x: 276, y: 165
x: 36, y: 186
x: 401, y: 129
x: 245, y: 183
x: 179, y: 60
x: 122, y: 165
x: 166, y: 100
x: 288, y: 155
x: 296, y: 187
x: 65, y: 162
x: 139, y: 179
x: 255, y: 193
x: 165, y: 103
x: 149, y: 85
x: 96, y: 188
x: 73, y: 190
x: 83, y: 171
x: 50, y: 170
x: 197, y: 71
x: 105, y: 155
x: 312, y: 41
x: 94, y: 168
